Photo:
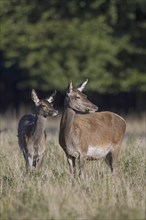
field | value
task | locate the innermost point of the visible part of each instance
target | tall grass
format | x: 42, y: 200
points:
x: 51, y: 193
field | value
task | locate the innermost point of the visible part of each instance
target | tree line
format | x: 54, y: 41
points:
x: 45, y: 44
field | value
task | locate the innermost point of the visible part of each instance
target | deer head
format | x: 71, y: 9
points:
x: 77, y: 100
x: 44, y: 106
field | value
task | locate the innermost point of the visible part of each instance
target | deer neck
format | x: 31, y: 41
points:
x: 67, y: 120
x: 39, y: 128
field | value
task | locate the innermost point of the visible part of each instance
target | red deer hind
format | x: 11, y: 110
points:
x: 31, y: 130
x: 87, y: 134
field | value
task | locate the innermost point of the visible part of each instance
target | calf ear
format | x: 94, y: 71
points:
x: 35, y: 97
x: 82, y: 85
x: 69, y: 88
x: 51, y: 98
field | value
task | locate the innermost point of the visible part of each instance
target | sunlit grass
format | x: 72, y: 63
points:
x: 51, y: 193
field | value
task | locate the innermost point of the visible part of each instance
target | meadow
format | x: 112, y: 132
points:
x: 52, y: 193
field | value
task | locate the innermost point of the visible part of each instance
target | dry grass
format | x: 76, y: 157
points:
x: 51, y: 193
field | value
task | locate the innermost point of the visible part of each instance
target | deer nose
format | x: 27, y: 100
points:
x: 93, y: 109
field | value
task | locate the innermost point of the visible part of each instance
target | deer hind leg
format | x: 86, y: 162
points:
x: 109, y: 160
x: 112, y: 159
x: 82, y: 160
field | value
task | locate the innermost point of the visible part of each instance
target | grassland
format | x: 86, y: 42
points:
x: 51, y: 193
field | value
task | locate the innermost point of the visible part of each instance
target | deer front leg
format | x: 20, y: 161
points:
x: 72, y: 165
x: 38, y: 162
x: 30, y: 161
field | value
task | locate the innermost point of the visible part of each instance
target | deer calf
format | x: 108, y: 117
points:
x: 31, y: 130
x: 87, y: 134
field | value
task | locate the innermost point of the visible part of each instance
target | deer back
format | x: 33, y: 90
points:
x: 98, y: 129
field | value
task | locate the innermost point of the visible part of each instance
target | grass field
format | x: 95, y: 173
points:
x: 51, y: 193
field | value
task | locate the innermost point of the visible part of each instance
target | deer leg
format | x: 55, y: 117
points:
x: 112, y: 160
x: 109, y: 160
x: 39, y: 161
x: 115, y: 163
x: 30, y: 161
x: 26, y: 160
x: 26, y: 165
x: 82, y: 160
x: 72, y: 165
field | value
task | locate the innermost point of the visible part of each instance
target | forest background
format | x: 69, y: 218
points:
x: 46, y: 44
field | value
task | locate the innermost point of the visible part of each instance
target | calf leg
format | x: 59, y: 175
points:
x: 72, y: 165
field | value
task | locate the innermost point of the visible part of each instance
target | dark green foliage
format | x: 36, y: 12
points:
x: 45, y: 44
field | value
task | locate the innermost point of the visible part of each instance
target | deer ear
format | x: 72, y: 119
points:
x: 35, y: 97
x: 51, y: 98
x: 70, y: 88
x: 82, y: 85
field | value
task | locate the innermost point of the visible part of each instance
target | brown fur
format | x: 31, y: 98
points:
x: 31, y: 131
x: 100, y: 130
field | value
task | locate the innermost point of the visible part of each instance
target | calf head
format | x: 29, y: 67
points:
x: 44, y: 106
